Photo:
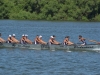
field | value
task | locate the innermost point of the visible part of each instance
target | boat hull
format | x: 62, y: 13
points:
x: 89, y: 47
x: 77, y: 47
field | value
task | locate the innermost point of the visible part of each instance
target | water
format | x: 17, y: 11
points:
x: 45, y: 62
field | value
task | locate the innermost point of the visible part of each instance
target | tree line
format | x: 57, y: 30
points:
x: 65, y: 10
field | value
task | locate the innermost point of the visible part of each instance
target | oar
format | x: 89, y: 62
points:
x: 94, y: 41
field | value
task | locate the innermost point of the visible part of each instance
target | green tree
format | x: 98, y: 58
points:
x: 73, y: 10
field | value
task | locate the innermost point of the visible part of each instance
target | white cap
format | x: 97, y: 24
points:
x: 40, y: 36
x: 14, y: 35
x: 23, y: 35
x: 9, y: 35
x: 51, y: 36
x: 26, y: 35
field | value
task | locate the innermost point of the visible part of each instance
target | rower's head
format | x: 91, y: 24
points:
x: 54, y: 36
x: 80, y: 36
x: 51, y: 37
x: 40, y: 36
x: 9, y: 36
x: 67, y: 37
x: 23, y: 35
x: 26, y: 35
x: 13, y: 35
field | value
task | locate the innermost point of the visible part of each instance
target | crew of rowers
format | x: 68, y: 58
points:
x: 38, y: 40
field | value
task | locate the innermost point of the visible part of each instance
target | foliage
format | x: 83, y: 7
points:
x: 69, y: 10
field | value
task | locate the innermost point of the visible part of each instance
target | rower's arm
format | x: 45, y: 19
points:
x: 22, y: 39
x: 37, y: 40
x: 17, y: 40
x: 50, y: 41
x: 65, y: 41
x: 2, y: 40
x: 10, y: 40
x: 56, y: 42
x: 29, y: 41
x: 42, y: 42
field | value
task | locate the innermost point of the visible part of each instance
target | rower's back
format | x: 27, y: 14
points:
x: 36, y: 41
x: 9, y: 40
x: 22, y: 41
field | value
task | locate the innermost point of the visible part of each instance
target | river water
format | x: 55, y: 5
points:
x: 45, y: 62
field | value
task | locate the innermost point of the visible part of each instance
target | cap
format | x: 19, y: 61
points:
x: 51, y: 36
x: 23, y: 35
x: 54, y: 36
x: 14, y: 35
x: 67, y: 36
x: 40, y: 36
x: 9, y: 35
x: 80, y: 35
x: 26, y: 35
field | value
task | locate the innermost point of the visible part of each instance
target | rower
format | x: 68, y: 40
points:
x: 10, y: 39
x: 1, y: 39
x: 27, y: 40
x: 22, y: 41
x: 83, y: 40
x: 40, y: 41
x: 14, y: 39
x: 67, y: 41
x: 53, y: 41
x: 36, y: 41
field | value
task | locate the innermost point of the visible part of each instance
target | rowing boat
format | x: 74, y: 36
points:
x: 25, y: 46
x: 89, y: 47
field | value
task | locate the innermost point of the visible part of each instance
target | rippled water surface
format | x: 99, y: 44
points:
x: 46, y: 62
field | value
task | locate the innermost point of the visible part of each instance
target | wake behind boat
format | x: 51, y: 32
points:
x: 89, y: 47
